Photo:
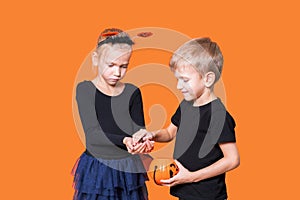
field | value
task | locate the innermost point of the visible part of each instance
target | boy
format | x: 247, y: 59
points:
x: 205, y: 145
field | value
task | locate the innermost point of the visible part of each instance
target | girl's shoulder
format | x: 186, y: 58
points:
x: 132, y: 90
x: 85, y: 84
x: 130, y: 86
x: 85, y: 87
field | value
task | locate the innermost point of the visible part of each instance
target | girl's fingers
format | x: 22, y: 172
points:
x: 141, y: 148
x: 149, y: 145
x: 138, y: 147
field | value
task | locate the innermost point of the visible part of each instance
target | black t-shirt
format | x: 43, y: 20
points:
x: 106, y: 120
x: 200, y: 131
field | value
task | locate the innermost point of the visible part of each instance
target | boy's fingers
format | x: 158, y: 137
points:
x: 167, y: 181
x: 137, y: 136
x: 148, y: 136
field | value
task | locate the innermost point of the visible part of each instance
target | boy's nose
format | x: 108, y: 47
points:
x: 179, y: 85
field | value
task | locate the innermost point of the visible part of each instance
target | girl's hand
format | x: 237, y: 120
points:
x: 140, y: 147
x: 149, y: 146
x: 143, y: 147
x: 183, y: 176
x: 128, y: 141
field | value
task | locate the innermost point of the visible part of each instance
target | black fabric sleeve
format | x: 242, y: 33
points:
x: 136, y: 110
x: 228, y: 132
x: 95, y: 136
x: 177, y: 116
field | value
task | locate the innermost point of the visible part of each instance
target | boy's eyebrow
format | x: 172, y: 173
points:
x: 181, y: 76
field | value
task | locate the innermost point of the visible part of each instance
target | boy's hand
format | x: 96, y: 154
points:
x: 138, y: 136
x: 149, y: 136
x: 143, y: 135
x: 183, y: 176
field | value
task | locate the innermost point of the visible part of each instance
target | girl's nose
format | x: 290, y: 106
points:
x: 117, y: 71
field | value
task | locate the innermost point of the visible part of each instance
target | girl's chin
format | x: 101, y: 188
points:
x: 112, y: 82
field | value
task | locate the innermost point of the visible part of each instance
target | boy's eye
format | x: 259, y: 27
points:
x: 124, y: 66
x: 185, y: 80
x: 110, y: 65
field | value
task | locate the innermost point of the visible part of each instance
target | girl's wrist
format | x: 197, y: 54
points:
x: 125, y: 140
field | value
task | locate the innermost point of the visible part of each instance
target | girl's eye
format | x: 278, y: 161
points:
x: 111, y: 65
x: 124, y: 66
x: 185, y: 80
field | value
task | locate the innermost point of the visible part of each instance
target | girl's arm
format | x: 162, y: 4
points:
x: 85, y: 97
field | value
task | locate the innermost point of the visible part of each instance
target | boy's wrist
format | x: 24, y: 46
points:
x: 154, y: 134
x: 196, y: 176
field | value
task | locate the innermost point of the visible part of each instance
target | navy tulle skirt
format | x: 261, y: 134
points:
x: 98, y: 179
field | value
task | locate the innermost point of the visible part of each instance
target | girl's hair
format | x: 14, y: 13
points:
x: 201, y: 53
x: 114, y: 36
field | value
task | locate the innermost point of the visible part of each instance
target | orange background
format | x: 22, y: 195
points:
x: 43, y: 44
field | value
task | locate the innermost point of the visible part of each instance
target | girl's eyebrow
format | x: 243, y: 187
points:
x: 112, y: 62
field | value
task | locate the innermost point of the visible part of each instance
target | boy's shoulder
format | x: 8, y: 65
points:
x: 214, y: 105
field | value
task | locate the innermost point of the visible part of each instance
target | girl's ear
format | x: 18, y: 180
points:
x: 209, y: 79
x: 95, y: 58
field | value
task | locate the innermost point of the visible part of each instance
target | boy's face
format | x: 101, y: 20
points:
x: 189, y: 82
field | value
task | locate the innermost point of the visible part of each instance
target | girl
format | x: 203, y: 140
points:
x: 110, y: 112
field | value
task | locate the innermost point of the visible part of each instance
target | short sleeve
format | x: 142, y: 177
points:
x: 136, y: 110
x: 228, y: 131
x: 177, y: 116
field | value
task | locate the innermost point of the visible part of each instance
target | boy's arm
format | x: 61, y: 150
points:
x: 146, y: 139
x: 230, y: 161
x: 164, y: 135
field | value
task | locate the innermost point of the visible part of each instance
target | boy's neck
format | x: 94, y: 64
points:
x: 207, y: 97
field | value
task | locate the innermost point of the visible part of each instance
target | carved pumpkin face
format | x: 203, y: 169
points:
x: 162, y: 169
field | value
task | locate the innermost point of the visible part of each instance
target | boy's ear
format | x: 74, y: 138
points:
x: 95, y: 58
x: 209, y: 79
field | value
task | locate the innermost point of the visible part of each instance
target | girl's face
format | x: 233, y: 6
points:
x: 189, y: 82
x: 112, y: 63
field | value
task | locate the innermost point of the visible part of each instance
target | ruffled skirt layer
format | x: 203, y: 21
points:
x: 98, y: 179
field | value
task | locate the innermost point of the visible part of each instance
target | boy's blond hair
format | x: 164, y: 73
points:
x: 201, y: 53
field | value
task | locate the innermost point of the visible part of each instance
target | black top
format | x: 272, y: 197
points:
x: 106, y: 120
x: 200, y: 130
